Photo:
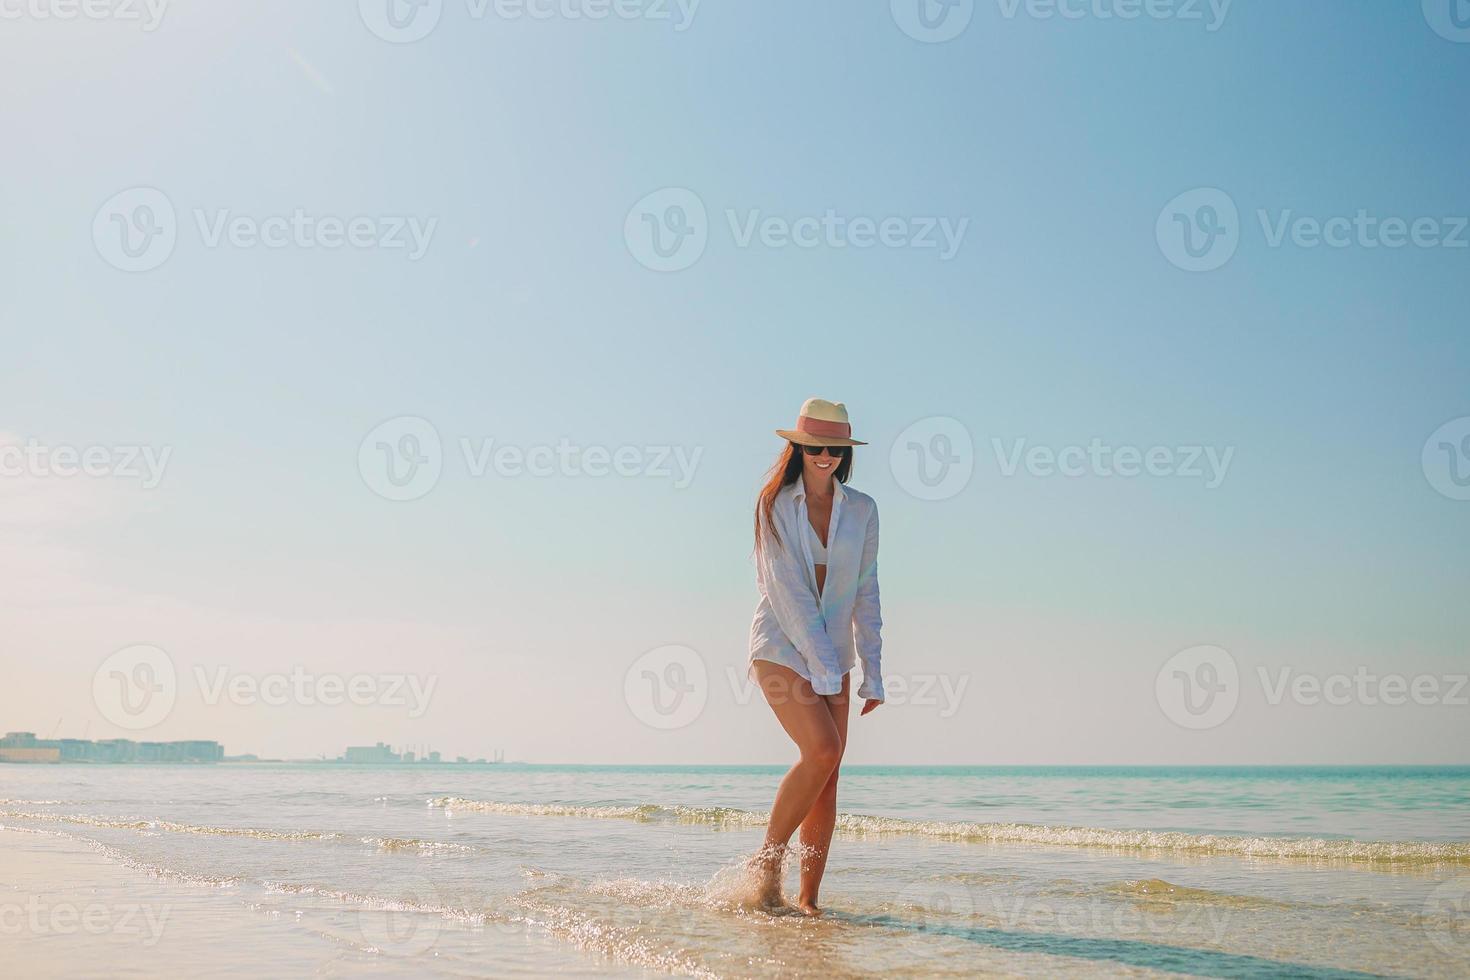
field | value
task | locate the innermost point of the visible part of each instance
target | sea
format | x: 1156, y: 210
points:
x: 639, y: 871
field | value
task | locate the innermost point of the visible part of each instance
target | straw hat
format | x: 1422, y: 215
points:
x: 821, y: 423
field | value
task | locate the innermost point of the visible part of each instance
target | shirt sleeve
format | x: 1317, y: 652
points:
x: 781, y: 575
x: 867, y: 618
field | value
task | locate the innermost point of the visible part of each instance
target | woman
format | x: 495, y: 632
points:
x: 816, y: 548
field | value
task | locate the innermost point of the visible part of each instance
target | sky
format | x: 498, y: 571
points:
x: 434, y: 353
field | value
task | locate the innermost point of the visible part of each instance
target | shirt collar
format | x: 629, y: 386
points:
x: 798, y: 490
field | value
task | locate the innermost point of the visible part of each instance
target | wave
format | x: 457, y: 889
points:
x: 621, y: 944
x: 127, y: 860
x: 170, y: 826
x: 652, y: 812
x: 1390, y: 852
x: 114, y: 823
x: 421, y: 846
x: 848, y: 824
x: 861, y: 825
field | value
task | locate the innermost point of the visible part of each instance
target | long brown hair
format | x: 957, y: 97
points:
x: 787, y: 470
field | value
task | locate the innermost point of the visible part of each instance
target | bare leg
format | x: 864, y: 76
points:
x: 816, y: 829
x: 808, y: 720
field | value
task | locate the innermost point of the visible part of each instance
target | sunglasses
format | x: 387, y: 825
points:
x: 837, y: 452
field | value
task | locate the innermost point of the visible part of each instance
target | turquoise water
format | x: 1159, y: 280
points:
x: 496, y: 870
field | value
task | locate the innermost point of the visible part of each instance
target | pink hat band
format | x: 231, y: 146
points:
x: 819, y: 427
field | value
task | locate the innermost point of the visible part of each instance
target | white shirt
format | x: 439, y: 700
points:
x: 821, y: 636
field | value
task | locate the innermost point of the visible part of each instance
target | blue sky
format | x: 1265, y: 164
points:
x: 529, y: 319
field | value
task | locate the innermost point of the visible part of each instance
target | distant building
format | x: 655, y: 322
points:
x: 379, y: 753
x: 25, y: 747
x: 29, y: 754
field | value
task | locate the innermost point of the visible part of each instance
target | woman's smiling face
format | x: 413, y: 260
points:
x: 822, y: 467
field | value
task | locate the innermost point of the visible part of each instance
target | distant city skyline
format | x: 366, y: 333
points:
x: 27, y: 747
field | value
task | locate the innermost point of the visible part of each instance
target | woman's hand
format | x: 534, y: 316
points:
x: 869, y: 705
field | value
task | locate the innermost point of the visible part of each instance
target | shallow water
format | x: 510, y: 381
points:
x: 508, y: 870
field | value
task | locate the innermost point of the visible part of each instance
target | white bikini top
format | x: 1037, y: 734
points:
x: 819, y: 550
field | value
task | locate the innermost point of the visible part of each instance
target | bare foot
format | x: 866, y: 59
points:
x: 807, y: 907
x: 765, y: 868
x: 774, y: 903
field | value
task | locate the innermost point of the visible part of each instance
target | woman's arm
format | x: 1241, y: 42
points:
x: 867, y: 618
x: 781, y: 573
